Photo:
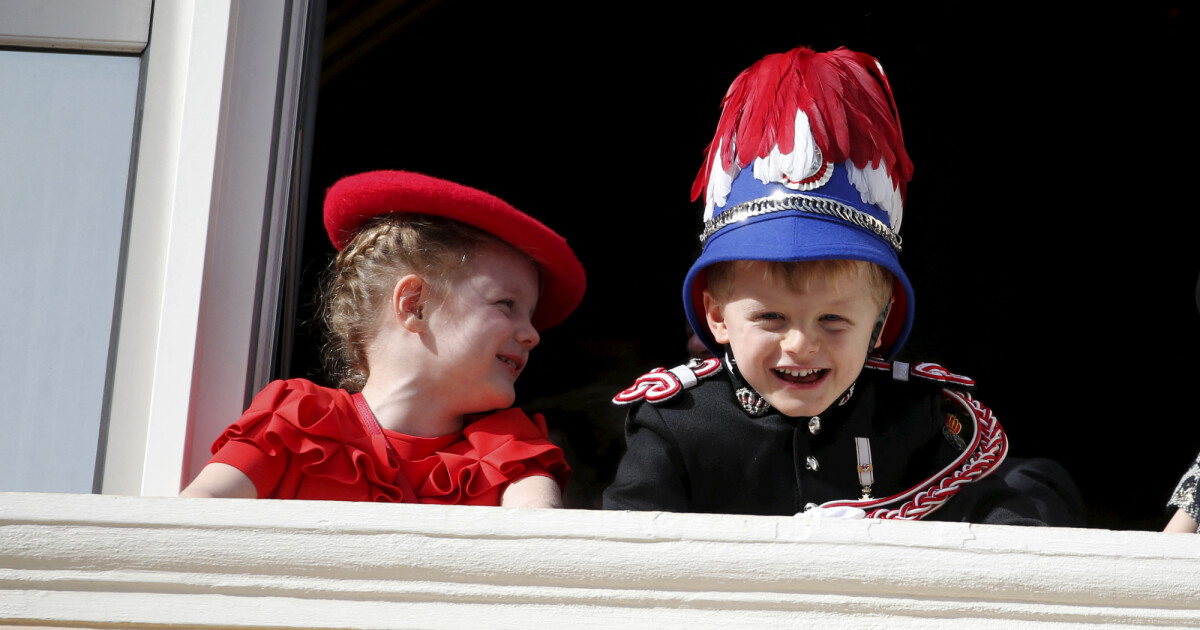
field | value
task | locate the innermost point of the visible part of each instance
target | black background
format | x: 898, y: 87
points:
x: 1049, y: 229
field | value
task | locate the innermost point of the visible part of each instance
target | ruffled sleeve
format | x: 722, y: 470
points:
x: 298, y: 440
x: 496, y: 450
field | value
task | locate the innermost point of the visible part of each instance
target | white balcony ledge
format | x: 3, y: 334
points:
x: 96, y: 561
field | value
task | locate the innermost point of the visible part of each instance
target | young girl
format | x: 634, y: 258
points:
x: 433, y: 304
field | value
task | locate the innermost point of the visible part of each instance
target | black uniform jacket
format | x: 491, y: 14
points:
x: 700, y: 452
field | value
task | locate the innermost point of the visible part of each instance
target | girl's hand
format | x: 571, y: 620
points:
x: 532, y: 492
x: 221, y: 481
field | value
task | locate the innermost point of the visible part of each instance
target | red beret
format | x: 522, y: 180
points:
x: 353, y: 200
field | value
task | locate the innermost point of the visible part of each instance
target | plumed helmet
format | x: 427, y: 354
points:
x: 808, y: 163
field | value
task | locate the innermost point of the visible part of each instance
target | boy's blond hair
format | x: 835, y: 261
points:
x: 798, y: 275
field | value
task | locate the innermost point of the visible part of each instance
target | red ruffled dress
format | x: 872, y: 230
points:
x: 299, y: 440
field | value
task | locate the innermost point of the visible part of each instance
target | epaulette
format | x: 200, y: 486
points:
x: 957, y: 429
x: 660, y: 385
x: 931, y: 372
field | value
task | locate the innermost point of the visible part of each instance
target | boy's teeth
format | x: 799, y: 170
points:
x: 799, y: 373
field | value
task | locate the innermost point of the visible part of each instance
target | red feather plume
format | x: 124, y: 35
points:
x: 845, y: 95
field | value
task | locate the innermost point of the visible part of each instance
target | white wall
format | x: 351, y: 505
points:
x: 103, y: 561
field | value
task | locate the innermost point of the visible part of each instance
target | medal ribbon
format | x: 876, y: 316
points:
x: 866, y: 471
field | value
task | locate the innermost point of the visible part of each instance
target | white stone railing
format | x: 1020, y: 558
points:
x: 107, y: 561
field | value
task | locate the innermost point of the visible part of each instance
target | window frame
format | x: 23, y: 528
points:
x: 219, y: 172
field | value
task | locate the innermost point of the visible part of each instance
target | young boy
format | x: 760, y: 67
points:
x: 798, y: 285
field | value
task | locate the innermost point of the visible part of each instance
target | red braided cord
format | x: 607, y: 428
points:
x: 993, y: 446
x: 989, y: 447
x: 661, y: 384
x: 658, y: 384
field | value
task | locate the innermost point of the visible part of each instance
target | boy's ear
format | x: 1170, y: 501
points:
x: 883, y: 324
x: 715, y: 314
x: 410, y: 296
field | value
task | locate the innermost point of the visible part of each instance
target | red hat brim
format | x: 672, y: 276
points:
x: 353, y: 200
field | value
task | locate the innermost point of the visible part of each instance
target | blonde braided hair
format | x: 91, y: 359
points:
x: 358, y: 283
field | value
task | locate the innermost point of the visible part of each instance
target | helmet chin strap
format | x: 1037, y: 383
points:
x: 878, y: 329
x: 731, y: 363
x: 751, y: 401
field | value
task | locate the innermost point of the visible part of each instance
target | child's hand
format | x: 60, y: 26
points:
x: 842, y: 512
x: 533, y: 492
x: 1182, y: 522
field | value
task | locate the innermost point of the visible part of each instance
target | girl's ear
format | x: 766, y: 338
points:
x: 409, y: 299
x: 714, y: 312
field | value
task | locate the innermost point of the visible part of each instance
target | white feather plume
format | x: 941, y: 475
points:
x: 873, y: 183
x: 877, y: 188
